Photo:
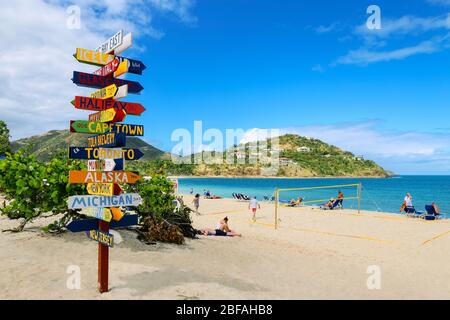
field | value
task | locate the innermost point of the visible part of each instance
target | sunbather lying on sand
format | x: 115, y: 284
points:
x: 222, y: 230
x: 294, y: 203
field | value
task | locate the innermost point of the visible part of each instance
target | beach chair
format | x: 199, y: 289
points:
x: 411, y: 212
x: 336, y: 205
x: 431, y: 214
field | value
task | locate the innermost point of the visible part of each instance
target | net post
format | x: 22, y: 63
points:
x: 276, y: 208
x: 359, y: 197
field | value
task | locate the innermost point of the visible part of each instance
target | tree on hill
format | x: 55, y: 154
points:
x: 4, y: 139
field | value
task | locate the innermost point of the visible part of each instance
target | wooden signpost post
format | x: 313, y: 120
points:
x: 106, y: 152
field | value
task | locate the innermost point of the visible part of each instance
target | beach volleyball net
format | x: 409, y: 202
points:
x: 319, y: 197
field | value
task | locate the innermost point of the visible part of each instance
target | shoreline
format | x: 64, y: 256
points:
x: 274, y: 178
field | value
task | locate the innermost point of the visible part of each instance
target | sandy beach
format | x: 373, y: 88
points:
x: 313, y: 255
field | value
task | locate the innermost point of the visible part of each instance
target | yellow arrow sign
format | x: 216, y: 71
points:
x: 122, y: 68
x: 105, y: 93
x: 99, y: 213
x: 93, y: 57
x: 101, y: 189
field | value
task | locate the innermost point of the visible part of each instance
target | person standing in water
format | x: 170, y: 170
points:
x: 254, y: 206
x: 196, y: 203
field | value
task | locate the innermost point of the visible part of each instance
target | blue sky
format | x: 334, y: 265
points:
x: 307, y: 67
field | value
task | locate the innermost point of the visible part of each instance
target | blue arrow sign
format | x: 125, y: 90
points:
x: 135, y: 66
x: 83, y: 153
x: 98, y: 82
x: 92, y: 224
x: 108, y: 140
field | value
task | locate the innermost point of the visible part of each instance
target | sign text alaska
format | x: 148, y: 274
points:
x: 106, y: 151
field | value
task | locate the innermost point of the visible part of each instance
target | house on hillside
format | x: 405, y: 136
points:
x: 358, y: 158
x: 286, y: 161
x: 304, y: 149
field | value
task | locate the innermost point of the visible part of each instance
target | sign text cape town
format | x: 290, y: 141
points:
x: 106, y: 151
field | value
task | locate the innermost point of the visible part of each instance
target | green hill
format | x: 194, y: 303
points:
x: 48, y: 144
x: 298, y: 157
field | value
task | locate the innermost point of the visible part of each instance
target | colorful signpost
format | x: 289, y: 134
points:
x: 124, y: 200
x: 90, y: 153
x: 108, y: 115
x: 106, y: 165
x: 98, y: 82
x: 105, y: 239
x: 111, y: 92
x: 85, y: 177
x: 106, y: 152
x: 131, y: 130
x: 112, y: 43
x: 93, y: 104
x: 104, y: 214
x: 92, y: 224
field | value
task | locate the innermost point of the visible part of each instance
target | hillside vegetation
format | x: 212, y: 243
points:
x: 48, y: 145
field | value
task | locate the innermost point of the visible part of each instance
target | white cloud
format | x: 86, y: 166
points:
x: 401, y: 151
x: 364, y: 56
x: 37, y: 49
x: 440, y: 2
x: 394, y: 29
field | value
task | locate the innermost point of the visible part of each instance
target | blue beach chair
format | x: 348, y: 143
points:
x: 431, y: 214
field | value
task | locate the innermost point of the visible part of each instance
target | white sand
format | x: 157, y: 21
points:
x: 314, y: 254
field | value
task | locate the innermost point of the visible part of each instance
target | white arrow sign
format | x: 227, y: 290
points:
x: 127, y: 42
x: 112, y: 43
x: 124, y: 200
x: 106, y: 165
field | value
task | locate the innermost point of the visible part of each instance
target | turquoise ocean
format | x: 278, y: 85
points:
x: 384, y: 195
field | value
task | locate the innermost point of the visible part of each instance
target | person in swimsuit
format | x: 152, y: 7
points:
x: 196, y: 203
x: 224, y: 230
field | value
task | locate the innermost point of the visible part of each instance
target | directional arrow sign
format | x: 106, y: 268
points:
x: 92, y: 104
x: 117, y: 214
x: 82, y: 153
x: 100, y: 189
x: 82, y: 126
x: 93, y: 57
x: 104, y: 214
x: 92, y: 224
x: 106, y: 165
x: 108, y: 69
x: 85, y: 177
x: 107, y: 140
x: 135, y: 66
x: 98, y: 82
x: 124, y: 200
x: 108, y: 115
x: 112, y: 43
x: 104, y: 238
x: 126, y: 44
x: 111, y: 92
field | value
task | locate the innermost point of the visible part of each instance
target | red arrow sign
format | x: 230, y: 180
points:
x: 93, y: 104
x: 117, y: 190
x: 108, y: 69
x: 108, y: 115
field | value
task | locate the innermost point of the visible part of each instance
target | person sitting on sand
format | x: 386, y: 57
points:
x: 295, y: 203
x: 222, y: 230
x: 330, y: 204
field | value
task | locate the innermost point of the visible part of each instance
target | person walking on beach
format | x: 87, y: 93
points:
x: 254, y: 205
x: 196, y: 203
